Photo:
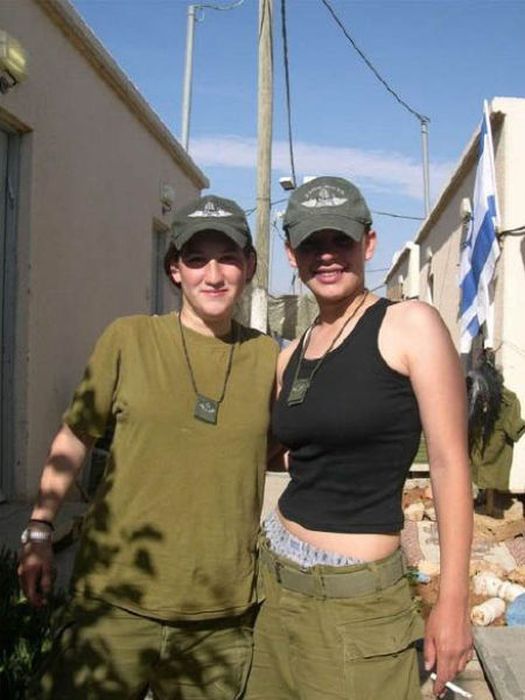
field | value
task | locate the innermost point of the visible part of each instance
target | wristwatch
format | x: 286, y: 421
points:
x: 35, y: 534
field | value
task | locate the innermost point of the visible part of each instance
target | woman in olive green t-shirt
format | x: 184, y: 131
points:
x: 164, y: 580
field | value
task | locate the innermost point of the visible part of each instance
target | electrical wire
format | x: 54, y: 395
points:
x: 421, y: 117
x: 272, y: 204
x: 518, y: 231
x: 287, y: 83
x: 398, y: 216
x: 210, y: 6
x: 374, y: 211
x: 278, y: 231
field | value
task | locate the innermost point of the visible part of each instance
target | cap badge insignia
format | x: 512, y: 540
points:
x: 324, y: 196
x: 211, y: 210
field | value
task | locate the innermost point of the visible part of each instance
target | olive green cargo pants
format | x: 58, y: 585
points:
x: 104, y: 652
x: 310, y: 646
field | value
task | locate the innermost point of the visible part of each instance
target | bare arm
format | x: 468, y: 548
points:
x: 435, y: 373
x: 66, y: 457
x: 277, y: 453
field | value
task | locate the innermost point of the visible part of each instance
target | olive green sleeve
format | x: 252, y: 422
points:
x: 91, y: 406
x: 513, y: 423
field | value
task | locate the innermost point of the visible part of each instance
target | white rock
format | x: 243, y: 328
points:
x: 431, y: 568
x: 415, y: 511
x: 487, y: 583
x: 482, y: 615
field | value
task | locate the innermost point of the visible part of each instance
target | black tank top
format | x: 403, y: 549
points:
x: 353, y: 438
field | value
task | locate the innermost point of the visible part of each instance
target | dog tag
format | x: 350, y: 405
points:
x: 298, y: 391
x: 206, y: 409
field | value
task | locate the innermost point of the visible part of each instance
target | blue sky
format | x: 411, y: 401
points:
x: 443, y: 57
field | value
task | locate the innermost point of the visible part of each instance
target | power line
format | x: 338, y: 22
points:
x: 287, y: 83
x: 278, y: 231
x: 519, y: 231
x: 398, y: 216
x: 379, y: 213
x: 211, y: 6
x: 272, y: 204
x: 422, y: 118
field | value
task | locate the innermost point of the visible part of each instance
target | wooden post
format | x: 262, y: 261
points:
x: 259, y: 310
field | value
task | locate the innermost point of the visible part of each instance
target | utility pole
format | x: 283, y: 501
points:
x: 195, y: 14
x: 259, y: 310
x: 188, y: 70
x: 426, y: 177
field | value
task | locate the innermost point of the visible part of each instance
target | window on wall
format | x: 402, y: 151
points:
x: 158, y: 277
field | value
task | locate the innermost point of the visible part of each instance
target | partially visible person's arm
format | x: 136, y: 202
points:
x: 277, y: 453
x: 276, y: 457
x: 435, y: 373
x: 66, y: 457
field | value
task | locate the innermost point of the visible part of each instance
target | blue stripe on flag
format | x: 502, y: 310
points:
x: 473, y: 327
x: 478, y: 259
x: 480, y: 251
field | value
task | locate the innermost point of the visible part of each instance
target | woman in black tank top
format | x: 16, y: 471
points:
x: 354, y: 392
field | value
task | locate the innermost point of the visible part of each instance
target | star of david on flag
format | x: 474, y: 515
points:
x: 480, y: 249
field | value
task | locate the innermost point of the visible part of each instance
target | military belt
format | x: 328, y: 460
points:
x: 364, y: 578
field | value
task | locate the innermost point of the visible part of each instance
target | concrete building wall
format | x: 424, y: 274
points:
x: 403, y: 282
x: 93, y: 160
x: 440, y: 255
x: 440, y: 241
x: 510, y: 299
x: 398, y: 275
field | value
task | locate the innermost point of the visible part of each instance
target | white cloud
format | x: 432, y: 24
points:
x: 376, y: 170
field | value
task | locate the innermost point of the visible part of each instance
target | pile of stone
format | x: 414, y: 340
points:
x: 498, y: 595
x: 497, y: 592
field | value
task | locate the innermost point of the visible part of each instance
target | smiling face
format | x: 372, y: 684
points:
x: 332, y: 264
x: 212, y: 272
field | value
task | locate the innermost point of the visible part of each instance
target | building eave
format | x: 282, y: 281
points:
x: 400, y: 258
x: 466, y: 162
x: 64, y: 15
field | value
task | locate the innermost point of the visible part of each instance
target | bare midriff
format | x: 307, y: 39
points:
x: 365, y: 546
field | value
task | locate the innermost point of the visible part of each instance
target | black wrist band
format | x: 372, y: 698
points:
x: 43, y: 522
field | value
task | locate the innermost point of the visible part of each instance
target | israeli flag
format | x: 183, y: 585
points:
x: 480, y: 249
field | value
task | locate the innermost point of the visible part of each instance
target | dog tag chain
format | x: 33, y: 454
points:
x: 300, y: 385
x: 207, y: 409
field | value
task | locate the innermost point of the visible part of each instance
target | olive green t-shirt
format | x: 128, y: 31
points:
x: 172, y: 530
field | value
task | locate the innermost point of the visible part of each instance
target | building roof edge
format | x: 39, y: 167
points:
x: 66, y: 17
x: 469, y: 154
x: 467, y: 157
